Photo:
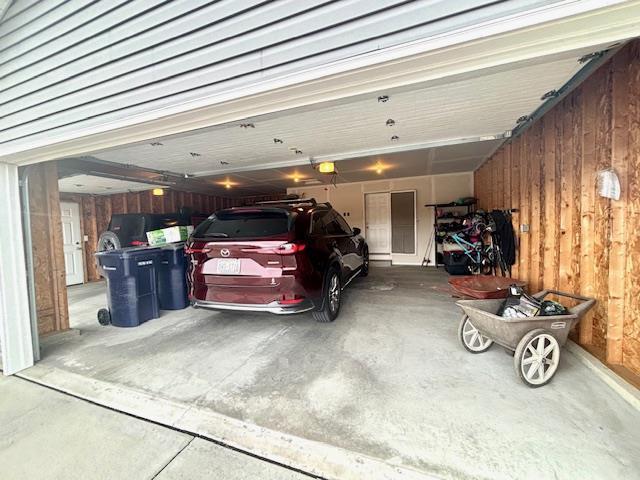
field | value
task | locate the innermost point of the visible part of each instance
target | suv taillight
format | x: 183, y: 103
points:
x: 283, y: 249
x: 290, y: 248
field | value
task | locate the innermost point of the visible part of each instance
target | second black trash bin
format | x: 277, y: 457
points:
x: 172, y: 277
x: 132, y: 293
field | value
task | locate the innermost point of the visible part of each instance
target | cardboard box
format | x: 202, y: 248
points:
x: 169, y: 235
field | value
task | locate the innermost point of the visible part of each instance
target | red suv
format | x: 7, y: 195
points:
x: 279, y: 257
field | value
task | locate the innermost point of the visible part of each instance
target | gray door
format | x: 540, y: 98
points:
x: 403, y: 226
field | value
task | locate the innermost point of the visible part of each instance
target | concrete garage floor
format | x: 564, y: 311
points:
x: 387, y: 382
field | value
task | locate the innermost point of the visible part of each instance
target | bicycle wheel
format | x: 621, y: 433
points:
x: 486, y: 260
x: 487, y: 266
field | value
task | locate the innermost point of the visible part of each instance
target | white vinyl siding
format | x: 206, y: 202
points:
x: 76, y: 63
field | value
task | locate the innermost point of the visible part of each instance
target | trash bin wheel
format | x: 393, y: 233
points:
x: 537, y: 357
x: 104, y: 316
x: 471, y: 338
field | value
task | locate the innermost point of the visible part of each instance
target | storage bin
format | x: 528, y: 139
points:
x: 132, y: 294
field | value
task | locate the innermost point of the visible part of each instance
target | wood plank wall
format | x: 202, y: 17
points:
x: 579, y: 241
x: 252, y: 200
x: 48, y: 255
x: 96, y: 212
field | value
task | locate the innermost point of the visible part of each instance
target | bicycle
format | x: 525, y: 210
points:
x: 481, y: 258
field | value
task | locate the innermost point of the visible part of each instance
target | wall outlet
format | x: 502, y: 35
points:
x: 524, y: 228
x: 85, y: 238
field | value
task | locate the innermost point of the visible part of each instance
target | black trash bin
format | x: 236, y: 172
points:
x: 172, y: 277
x: 132, y: 293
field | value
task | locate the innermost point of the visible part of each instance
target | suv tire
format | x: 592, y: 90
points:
x: 108, y: 241
x: 332, y: 294
x: 364, y: 271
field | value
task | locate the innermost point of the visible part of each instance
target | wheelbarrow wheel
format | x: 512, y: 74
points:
x: 472, y: 340
x: 536, y: 358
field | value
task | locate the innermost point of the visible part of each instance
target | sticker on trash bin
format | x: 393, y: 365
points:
x: 557, y: 325
x: 145, y: 262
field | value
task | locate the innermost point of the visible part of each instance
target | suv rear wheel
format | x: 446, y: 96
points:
x: 332, y: 295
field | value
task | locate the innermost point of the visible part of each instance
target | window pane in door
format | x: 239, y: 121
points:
x: 403, y: 222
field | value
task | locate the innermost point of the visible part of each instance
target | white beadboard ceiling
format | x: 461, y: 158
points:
x: 100, y: 185
x: 475, y: 106
x: 432, y: 161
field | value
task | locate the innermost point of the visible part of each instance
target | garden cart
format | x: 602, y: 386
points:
x: 535, y: 340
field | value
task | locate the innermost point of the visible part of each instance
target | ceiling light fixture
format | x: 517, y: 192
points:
x: 550, y: 94
x: 194, y: 154
x: 379, y: 167
x: 297, y: 152
x: 295, y: 176
x: 391, y: 122
x: 227, y: 183
x: 383, y: 98
x: 222, y: 162
x: 395, y: 138
x: 277, y: 140
x: 155, y: 144
x: 523, y: 118
x: 158, y: 192
x: 327, y: 167
x: 247, y: 125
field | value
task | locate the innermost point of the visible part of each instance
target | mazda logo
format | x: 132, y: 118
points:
x: 224, y: 252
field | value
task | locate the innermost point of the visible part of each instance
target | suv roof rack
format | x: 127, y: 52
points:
x: 291, y: 201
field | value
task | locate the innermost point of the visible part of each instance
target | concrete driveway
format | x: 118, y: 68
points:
x: 47, y: 435
x: 385, y: 389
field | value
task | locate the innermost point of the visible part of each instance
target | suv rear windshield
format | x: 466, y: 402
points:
x: 245, y: 224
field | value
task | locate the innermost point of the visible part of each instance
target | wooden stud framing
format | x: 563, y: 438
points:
x: 578, y: 241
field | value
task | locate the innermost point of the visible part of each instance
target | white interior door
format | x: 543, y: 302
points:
x: 71, y: 238
x: 378, y: 222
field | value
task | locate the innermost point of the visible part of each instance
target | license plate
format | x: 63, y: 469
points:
x: 228, y: 266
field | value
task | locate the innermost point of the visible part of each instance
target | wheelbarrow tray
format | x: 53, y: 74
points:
x: 509, y: 331
x: 483, y: 286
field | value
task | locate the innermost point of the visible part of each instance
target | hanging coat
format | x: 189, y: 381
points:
x: 506, y: 235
